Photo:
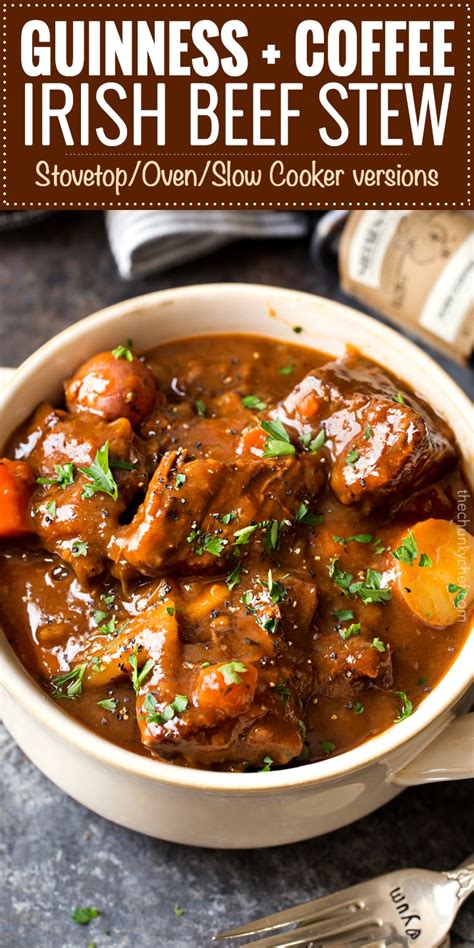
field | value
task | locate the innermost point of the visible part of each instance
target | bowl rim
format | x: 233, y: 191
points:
x: 22, y: 687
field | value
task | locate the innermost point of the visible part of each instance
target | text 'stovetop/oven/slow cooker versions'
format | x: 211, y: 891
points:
x: 231, y: 565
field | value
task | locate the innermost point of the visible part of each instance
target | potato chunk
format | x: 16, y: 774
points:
x: 435, y: 574
x: 112, y: 387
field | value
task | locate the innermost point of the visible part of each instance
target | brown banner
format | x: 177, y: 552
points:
x: 280, y: 105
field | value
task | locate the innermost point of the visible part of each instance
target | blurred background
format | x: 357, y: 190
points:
x: 56, y: 269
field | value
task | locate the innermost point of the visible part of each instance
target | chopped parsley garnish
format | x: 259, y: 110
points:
x: 327, y: 747
x: 297, y: 329
x: 358, y: 707
x: 109, y: 704
x: 422, y: 681
x: 96, y: 664
x: 178, y: 911
x: 371, y: 590
x: 214, y: 545
x: 110, y: 627
x: 352, y: 457
x: 254, y: 402
x: 277, y: 590
x: 339, y: 576
x: 175, y: 707
x: 267, y: 765
x: 99, y: 615
x: 79, y: 548
x: 124, y: 465
x: 82, y: 916
x: 206, y: 542
x: 278, y: 442
x: 201, y: 408
x: 368, y: 433
x: 243, y: 535
x: 352, y: 629
x: 407, y: 552
x: 356, y: 538
x: 69, y: 685
x: 227, y: 517
x: 276, y: 448
x: 461, y: 594
x: 284, y: 692
x: 303, y: 728
x: 271, y: 536
x: 51, y: 509
x: 399, y: 398
x: 180, y: 480
x: 317, y: 441
x: 286, y: 369
x: 139, y: 675
x: 170, y: 610
x: 100, y: 475
x: 64, y: 476
x: 307, y: 517
x: 378, y: 548
x: 231, y: 672
x: 406, y: 708
x: 425, y: 560
x: 343, y: 615
x: 123, y: 352
x: 108, y: 599
x: 234, y: 577
x: 379, y: 645
x: 304, y: 756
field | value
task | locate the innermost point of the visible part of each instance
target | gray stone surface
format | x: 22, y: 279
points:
x: 56, y: 854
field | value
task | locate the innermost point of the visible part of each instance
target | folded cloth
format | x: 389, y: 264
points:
x: 144, y: 242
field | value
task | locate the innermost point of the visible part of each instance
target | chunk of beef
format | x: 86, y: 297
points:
x: 192, y: 511
x: 53, y: 436
x: 345, y: 667
x: 384, y: 444
x: 214, y: 434
x: 279, y: 600
x: 78, y: 534
x: 243, y: 704
x: 237, y: 709
x: 69, y: 523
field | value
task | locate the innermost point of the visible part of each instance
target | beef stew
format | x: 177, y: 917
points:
x: 234, y: 552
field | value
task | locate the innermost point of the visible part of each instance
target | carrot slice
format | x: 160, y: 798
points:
x: 309, y: 407
x: 16, y: 486
x: 228, y: 687
x: 252, y: 442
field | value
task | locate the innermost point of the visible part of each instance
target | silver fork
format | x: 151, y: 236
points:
x: 396, y: 910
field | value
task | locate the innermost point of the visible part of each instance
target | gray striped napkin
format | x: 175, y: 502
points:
x: 145, y: 242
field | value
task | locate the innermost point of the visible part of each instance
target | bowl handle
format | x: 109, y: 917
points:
x: 450, y: 756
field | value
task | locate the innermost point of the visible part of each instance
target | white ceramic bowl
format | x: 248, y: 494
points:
x: 220, y: 809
